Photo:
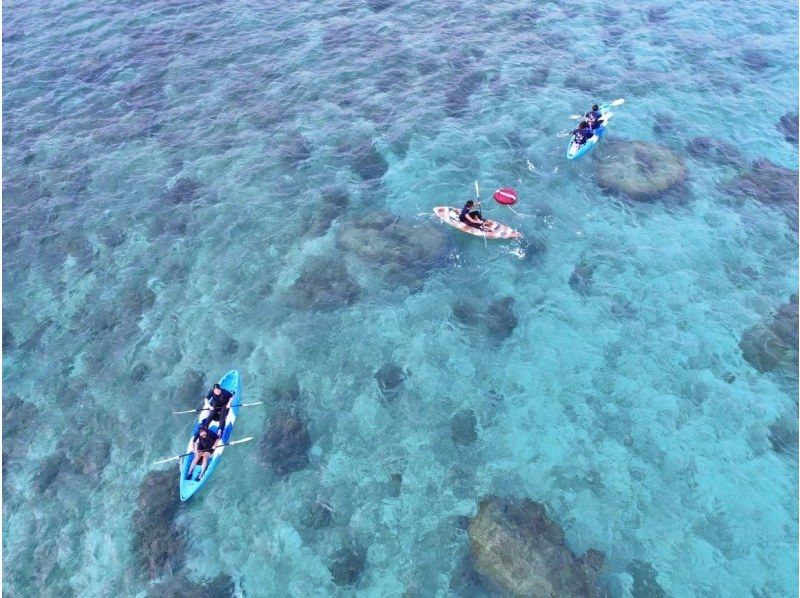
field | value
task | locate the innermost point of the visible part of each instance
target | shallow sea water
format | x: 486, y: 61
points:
x: 165, y: 166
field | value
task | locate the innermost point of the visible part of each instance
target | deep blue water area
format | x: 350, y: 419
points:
x: 191, y: 187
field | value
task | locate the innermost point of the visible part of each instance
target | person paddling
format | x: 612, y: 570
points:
x: 471, y: 215
x: 594, y: 117
x: 582, y: 134
x: 220, y: 401
x: 203, y: 445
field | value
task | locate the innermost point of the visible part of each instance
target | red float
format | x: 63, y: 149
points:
x: 506, y: 196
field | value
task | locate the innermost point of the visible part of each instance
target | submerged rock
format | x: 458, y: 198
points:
x: 50, y: 470
x: 157, y: 542
x: 498, y: 319
x: 390, y: 377
x: 185, y: 190
x: 286, y: 443
x: 456, y: 99
x: 347, y: 565
x: 191, y: 389
x: 463, y: 427
x: 756, y: 60
x: 501, y: 319
x: 783, y: 435
x: 664, y: 124
x: 788, y: 127
x: 295, y: 150
x: 286, y: 391
x: 395, y: 484
x: 90, y: 457
x: 773, y: 343
x: 768, y: 183
x: 401, y: 252
x: 366, y: 160
x: 645, y: 582
x: 222, y: 586
x: 319, y: 515
x: 519, y: 548
x: 581, y: 279
x: 324, y: 284
x: 638, y: 170
x: 714, y: 150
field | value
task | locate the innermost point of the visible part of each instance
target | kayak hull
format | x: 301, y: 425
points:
x: 575, y: 151
x: 492, y: 229
x: 189, y: 488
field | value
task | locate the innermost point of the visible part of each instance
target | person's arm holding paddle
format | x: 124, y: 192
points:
x: 470, y: 215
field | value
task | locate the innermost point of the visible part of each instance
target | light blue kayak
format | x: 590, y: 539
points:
x: 575, y: 151
x: 231, y: 383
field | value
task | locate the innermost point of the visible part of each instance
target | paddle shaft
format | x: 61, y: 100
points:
x: 617, y: 102
x: 209, y: 408
x: 176, y: 457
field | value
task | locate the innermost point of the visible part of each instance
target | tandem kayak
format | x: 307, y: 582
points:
x: 490, y: 230
x: 231, y: 383
x: 575, y: 151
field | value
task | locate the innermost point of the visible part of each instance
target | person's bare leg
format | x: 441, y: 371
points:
x: 206, y: 459
x: 194, y: 462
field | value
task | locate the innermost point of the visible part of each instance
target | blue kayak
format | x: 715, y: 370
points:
x: 575, y: 151
x: 231, y: 383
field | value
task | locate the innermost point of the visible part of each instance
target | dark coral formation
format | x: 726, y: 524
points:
x: 638, y: 170
x: 395, y: 484
x: 319, y: 515
x: 334, y: 202
x: 222, y: 586
x: 456, y: 98
x: 366, y: 160
x: 463, y: 427
x: 347, y: 565
x: 772, y: 344
x: 390, y: 377
x: 191, y: 389
x: 581, y: 278
x: 769, y: 184
x: 157, y: 541
x: 714, y: 150
x: 645, y: 581
x: 286, y: 443
x: 185, y: 190
x: 498, y: 319
x: 19, y: 418
x: 295, y: 150
x: 788, y: 127
x: 783, y: 435
x: 520, y: 549
x: 401, y: 252
x: 324, y: 284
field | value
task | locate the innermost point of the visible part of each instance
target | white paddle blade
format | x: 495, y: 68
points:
x: 477, y: 190
x: 618, y: 102
x: 248, y: 439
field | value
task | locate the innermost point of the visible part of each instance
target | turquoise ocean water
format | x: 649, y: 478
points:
x: 170, y: 173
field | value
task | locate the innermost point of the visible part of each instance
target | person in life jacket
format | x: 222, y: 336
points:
x: 203, y: 445
x: 582, y: 134
x: 220, y: 400
x: 593, y: 117
x: 471, y: 215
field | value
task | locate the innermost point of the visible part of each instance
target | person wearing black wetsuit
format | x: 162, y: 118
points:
x: 203, y: 445
x: 220, y: 401
x: 582, y: 134
x: 471, y: 215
